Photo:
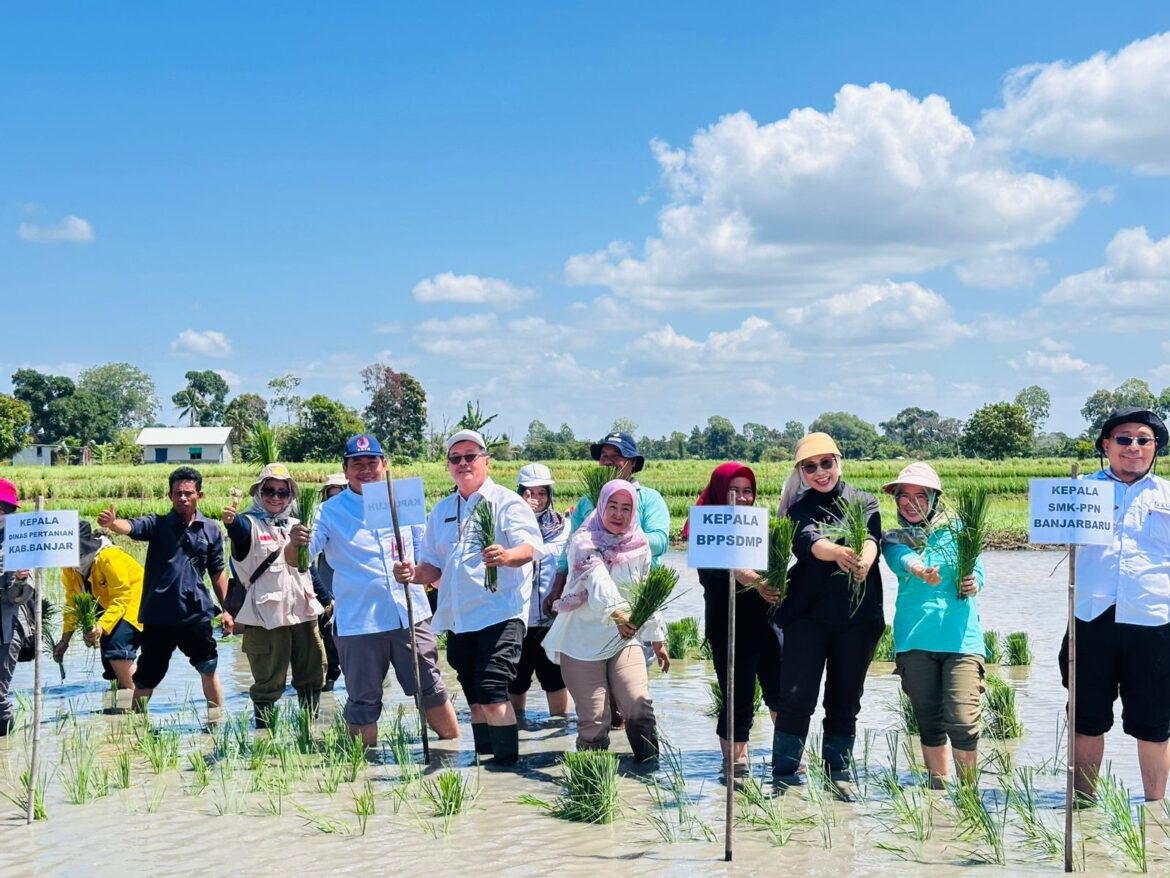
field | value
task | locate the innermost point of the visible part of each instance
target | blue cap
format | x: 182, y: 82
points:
x: 625, y: 445
x: 363, y: 445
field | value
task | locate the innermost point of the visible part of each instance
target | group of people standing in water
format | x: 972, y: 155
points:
x: 549, y: 595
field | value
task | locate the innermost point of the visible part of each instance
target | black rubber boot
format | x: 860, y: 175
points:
x: 643, y: 738
x: 505, y: 744
x: 837, y: 754
x: 786, y: 752
x: 309, y: 700
x: 263, y: 711
x: 483, y: 741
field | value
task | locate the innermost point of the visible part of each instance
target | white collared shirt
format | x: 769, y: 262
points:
x: 367, y: 598
x: 465, y: 604
x: 1133, y: 571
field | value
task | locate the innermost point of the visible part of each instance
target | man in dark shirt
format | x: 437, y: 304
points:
x: 176, y: 609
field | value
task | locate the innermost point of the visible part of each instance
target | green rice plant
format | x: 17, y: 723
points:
x: 201, y: 779
x: 971, y: 523
x: 80, y: 773
x: 850, y: 528
x: 1020, y: 798
x: 590, y: 783
x: 19, y: 797
x: 762, y: 812
x: 49, y: 633
x: 992, y: 648
x: 322, y: 822
x: 684, y: 824
x: 160, y: 746
x: 885, y: 646
x: 683, y: 638
x: 909, y: 719
x: 1121, y: 830
x: 781, y: 533
x: 306, y: 507
x: 716, y: 692
x: 650, y: 594
x: 449, y: 794
x: 261, y: 446
x: 330, y: 776
x: 907, y: 811
x: 82, y: 612
x: 593, y: 479
x: 400, y: 740
x: 483, y: 534
x: 1018, y: 648
x: 364, y: 806
x: 977, y: 823
x: 122, y: 769
x: 227, y: 797
x: 1001, y: 719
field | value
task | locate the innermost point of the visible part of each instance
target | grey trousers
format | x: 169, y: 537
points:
x: 21, y: 632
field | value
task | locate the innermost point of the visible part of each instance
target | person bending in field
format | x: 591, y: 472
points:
x: 176, y: 611
x: 115, y: 581
x: 16, y: 614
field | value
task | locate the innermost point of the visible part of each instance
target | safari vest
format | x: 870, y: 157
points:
x: 282, y: 595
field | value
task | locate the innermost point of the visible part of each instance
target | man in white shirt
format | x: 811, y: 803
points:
x: 486, y: 626
x: 370, y: 616
x: 1123, y: 609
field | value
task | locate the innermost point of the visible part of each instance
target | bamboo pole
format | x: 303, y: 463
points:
x: 729, y: 708
x: 37, y: 580
x: 1070, y: 779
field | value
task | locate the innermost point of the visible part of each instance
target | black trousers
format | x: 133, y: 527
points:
x: 757, y: 655
x: 840, y: 652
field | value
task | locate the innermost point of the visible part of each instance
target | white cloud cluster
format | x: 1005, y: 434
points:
x: 208, y: 343
x: 470, y: 289
x: 1108, y: 108
x: 1133, y: 282
x: 998, y: 271
x: 71, y: 230
x: 879, y: 316
x: 883, y: 184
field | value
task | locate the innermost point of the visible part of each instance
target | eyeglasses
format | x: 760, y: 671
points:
x: 1126, y: 441
x: 278, y: 494
x: 464, y: 458
x: 826, y: 463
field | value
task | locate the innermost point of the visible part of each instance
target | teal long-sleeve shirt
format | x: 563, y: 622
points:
x: 653, y: 515
x: 933, y: 617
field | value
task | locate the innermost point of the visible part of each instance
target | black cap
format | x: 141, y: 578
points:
x: 1133, y: 414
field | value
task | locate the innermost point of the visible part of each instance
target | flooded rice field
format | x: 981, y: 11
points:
x: 229, y: 799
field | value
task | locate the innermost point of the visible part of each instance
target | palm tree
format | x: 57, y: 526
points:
x: 191, y: 404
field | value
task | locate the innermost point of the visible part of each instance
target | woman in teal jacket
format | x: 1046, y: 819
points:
x: 938, y: 639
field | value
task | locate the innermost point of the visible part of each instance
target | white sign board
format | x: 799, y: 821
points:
x: 728, y: 536
x: 1071, y: 511
x: 408, y: 496
x: 34, y: 540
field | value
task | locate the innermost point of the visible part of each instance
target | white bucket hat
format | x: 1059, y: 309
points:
x: 917, y: 473
x: 535, y: 475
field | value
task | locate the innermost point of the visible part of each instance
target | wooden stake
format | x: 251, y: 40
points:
x: 1070, y: 780
x: 729, y: 708
x: 37, y: 580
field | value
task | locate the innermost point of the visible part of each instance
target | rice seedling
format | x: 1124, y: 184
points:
x: 977, y: 823
x: 650, y: 594
x: 81, y: 776
x: 762, y: 812
x: 972, y: 526
x: 227, y: 797
x: 122, y: 769
x: 82, y: 612
x: 1020, y: 798
x: 399, y: 741
x: 781, y: 533
x: 1018, y: 649
x: 323, y: 822
x: 683, y: 638
x: 850, y: 528
x: 49, y: 633
x: 1001, y: 720
x: 201, y: 779
x: 160, y: 746
x: 1121, y: 830
x: 992, y: 648
x: 590, y: 783
x: 261, y: 446
x: 685, y: 824
x: 593, y: 479
x: 449, y: 794
x: 154, y: 800
x: 306, y: 507
x: 885, y: 646
x: 364, y: 806
x: 716, y: 692
x: 909, y: 719
x: 19, y: 797
x: 330, y: 776
x: 907, y: 810
x: 483, y: 534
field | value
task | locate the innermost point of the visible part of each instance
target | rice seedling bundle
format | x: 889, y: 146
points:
x: 82, y: 611
x: 851, y: 529
x: 1018, y: 648
x: 49, y: 635
x: 483, y: 534
x: 261, y: 447
x: 449, y: 793
x: 682, y: 638
x: 593, y: 479
x: 716, y: 692
x: 972, y: 528
x: 781, y: 533
x: 650, y: 594
x: 306, y: 506
x: 992, y: 647
x: 1001, y: 720
x: 590, y: 784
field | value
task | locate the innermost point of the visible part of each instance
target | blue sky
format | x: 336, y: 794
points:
x: 576, y: 212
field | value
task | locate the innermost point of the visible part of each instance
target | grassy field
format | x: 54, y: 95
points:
x: 138, y: 489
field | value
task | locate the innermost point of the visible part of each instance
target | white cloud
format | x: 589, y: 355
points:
x: 1000, y: 271
x: 208, y: 343
x: 233, y: 380
x: 1056, y: 364
x: 755, y: 340
x: 1133, y: 282
x: 389, y: 328
x: 1109, y: 108
x: 71, y: 230
x: 470, y: 289
x: 881, y: 315
x: 884, y: 184
x: 609, y: 314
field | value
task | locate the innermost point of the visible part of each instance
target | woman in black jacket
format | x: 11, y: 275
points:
x: 831, y: 617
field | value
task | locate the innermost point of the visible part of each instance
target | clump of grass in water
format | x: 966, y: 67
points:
x: 202, y: 772
x: 591, y: 788
x: 908, y: 810
x: 593, y: 479
x: 160, y: 746
x: 765, y: 813
x: 992, y: 648
x: 122, y: 770
x: 885, y: 647
x: 1019, y: 649
x: 851, y: 529
x: 19, y: 798
x: 716, y: 691
x: 685, y: 825
x: 682, y: 638
x: 978, y: 823
x: 781, y: 533
x: 1001, y: 720
x: 483, y: 534
x: 906, y: 714
x: 449, y: 794
x: 1020, y: 797
x: 364, y: 806
x: 306, y: 506
x: 1121, y: 831
x: 82, y: 777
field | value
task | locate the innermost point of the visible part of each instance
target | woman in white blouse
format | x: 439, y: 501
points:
x: 592, y: 640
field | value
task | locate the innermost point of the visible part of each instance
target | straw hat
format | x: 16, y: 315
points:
x: 917, y: 473
x: 814, y: 445
x: 274, y: 471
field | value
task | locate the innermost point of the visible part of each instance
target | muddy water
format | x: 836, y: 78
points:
x: 157, y: 827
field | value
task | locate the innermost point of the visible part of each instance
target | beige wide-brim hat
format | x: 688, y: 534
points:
x: 274, y: 471
x: 917, y: 473
x: 814, y: 445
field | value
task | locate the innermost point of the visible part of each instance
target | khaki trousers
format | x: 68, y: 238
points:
x: 624, y: 676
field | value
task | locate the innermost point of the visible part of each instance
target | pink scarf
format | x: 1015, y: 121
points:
x: 596, y: 545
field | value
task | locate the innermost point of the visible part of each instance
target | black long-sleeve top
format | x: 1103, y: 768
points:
x: 819, y: 590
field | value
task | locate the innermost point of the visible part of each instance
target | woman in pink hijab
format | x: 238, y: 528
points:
x: 592, y: 640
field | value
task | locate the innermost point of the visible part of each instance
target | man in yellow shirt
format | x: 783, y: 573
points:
x: 114, y: 578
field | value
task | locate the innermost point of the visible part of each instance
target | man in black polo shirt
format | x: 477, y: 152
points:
x: 176, y: 609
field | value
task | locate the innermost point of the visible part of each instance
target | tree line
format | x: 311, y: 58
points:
x: 108, y: 404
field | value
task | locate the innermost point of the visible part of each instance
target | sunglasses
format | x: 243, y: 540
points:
x: 826, y: 463
x: 1126, y: 441
x: 274, y: 492
x: 464, y: 458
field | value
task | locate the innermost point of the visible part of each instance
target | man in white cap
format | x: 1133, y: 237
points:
x: 486, y: 625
